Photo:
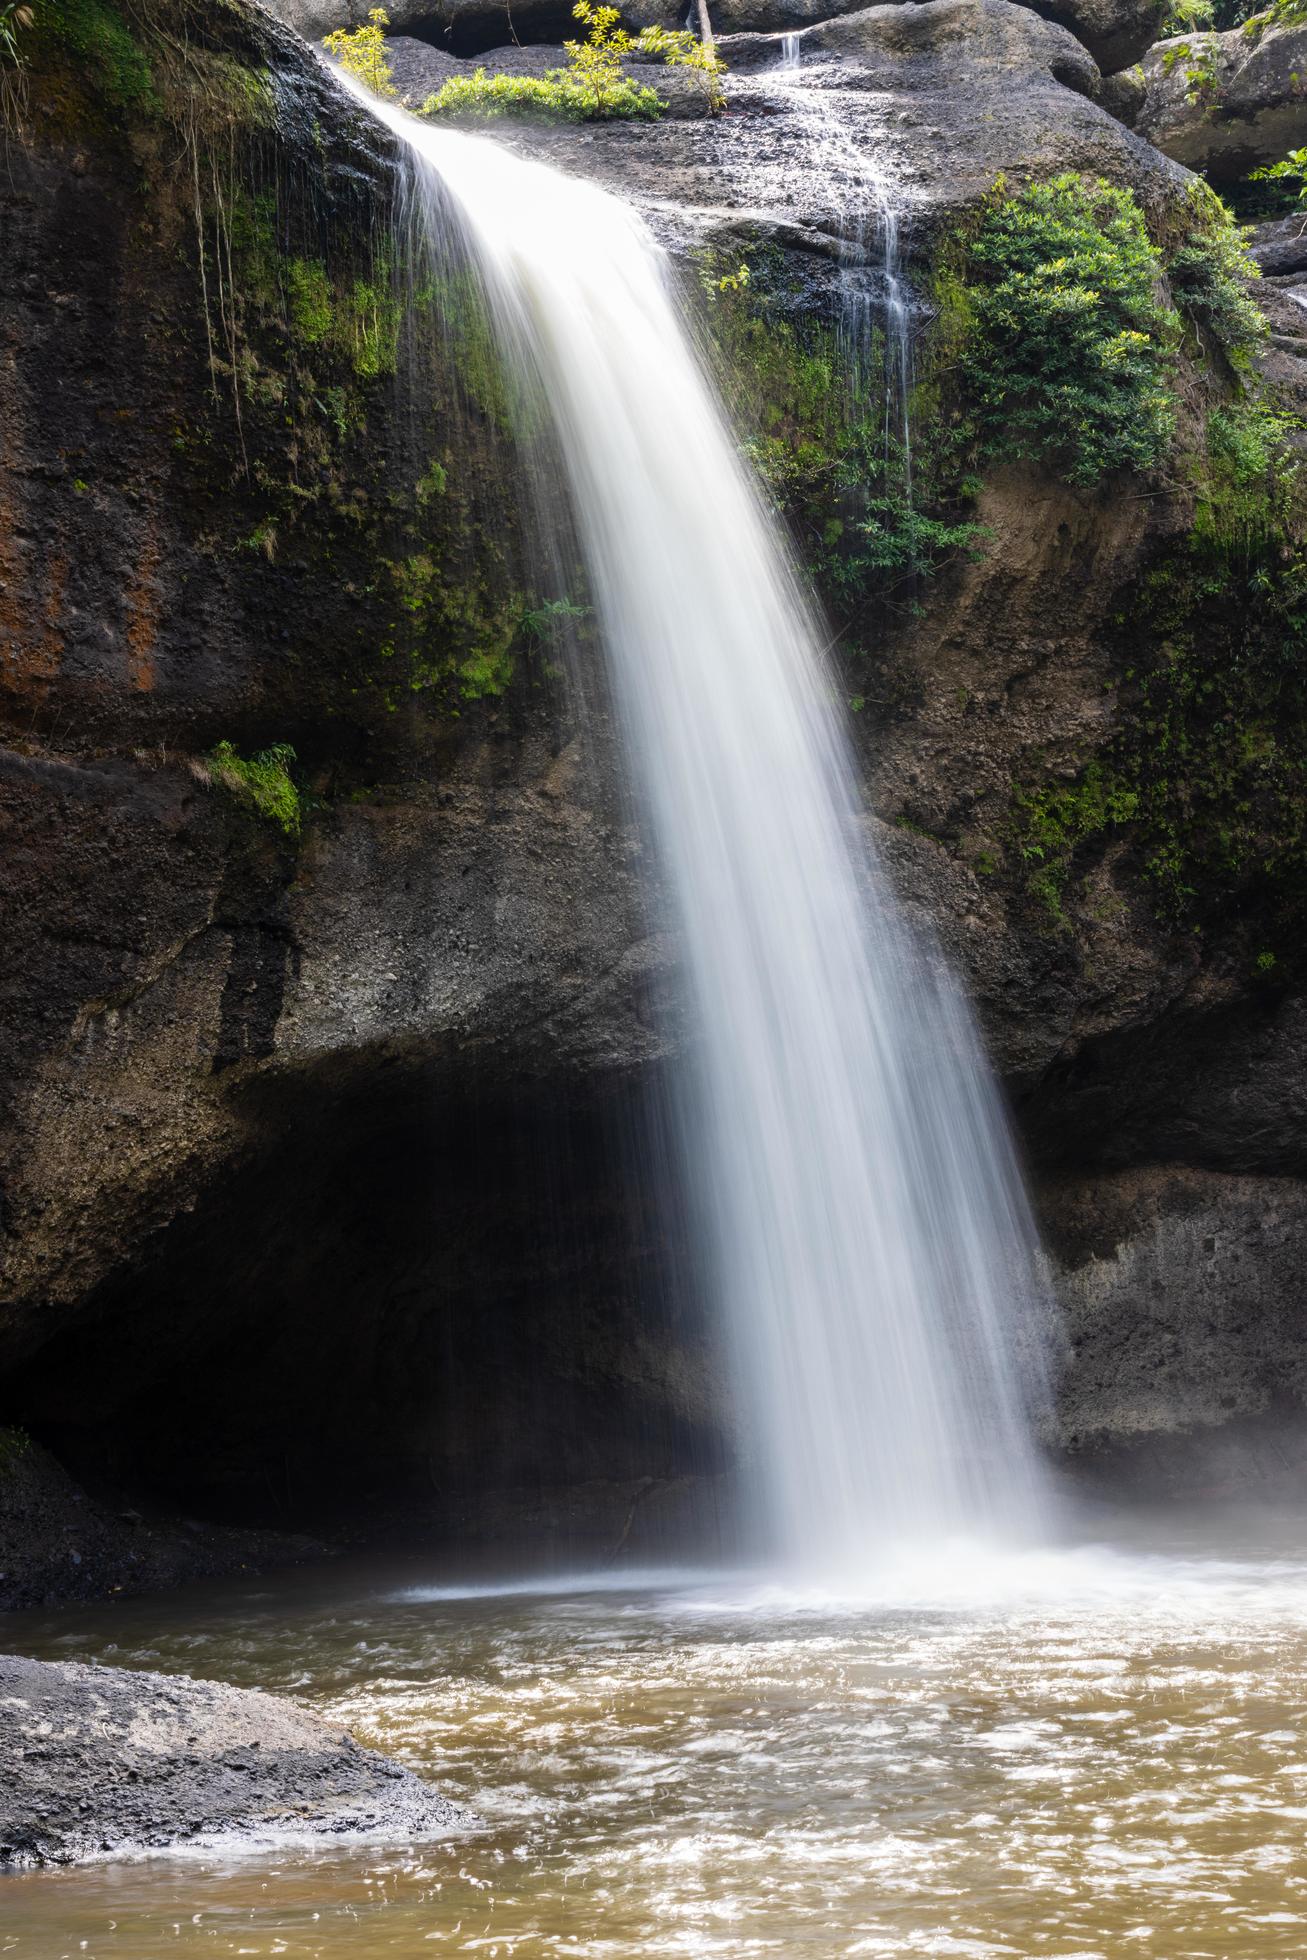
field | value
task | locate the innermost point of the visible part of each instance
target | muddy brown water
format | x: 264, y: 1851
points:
x: 1090, y: 1753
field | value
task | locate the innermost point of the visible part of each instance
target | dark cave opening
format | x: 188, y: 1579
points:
x: 416, y: 1293
x: 481, y: 31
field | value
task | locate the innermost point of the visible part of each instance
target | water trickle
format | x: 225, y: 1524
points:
x: 791, y: 51
x: 869, y: 1239
x: 859, y: 200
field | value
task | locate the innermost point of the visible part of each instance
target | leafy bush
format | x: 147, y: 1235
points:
x: 1187, y: 17
x: 362, y: 53
x: 1069, y: 351
x: 593, y: 86
x: 681, y: 49
x: 1210, y: 271
x: 554, y: 97
x: 1290, y: 172
x: 263, y: 780
x: 900, y: 541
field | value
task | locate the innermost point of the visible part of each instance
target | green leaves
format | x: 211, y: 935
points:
x: 263, y: 780
x: 555, y: 97
x: 591, y: 88
x: 1070, y: 351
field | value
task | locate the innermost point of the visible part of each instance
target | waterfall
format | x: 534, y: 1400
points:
x: 869, y: 1241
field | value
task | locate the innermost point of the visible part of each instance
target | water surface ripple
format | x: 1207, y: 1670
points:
x: 1079, y: 1754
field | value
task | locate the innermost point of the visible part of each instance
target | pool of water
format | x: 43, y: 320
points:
x: 1090, y: 1753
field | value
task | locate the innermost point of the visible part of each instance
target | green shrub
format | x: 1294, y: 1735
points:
x: 263, y: 780
x: 554, y: 97
x: 1069, y: 354
x: 362, y: 53
x: 701, y: 60
x: 1290, y: 173
x: 593, y: 87
x: 899, y: 541
x: 1209, y: 274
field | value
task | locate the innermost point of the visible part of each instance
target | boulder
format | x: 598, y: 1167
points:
x: 1116, y: 32
x: 1123, y: 95
x: 1226, y: 103
x: 941, y: 99
x: 100, y: 1762
x: 1280, y: 247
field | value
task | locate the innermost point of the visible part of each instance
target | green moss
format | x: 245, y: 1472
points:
x: 308, y: 300
x: 814, y: 424
x: 370, y: 318
x: 263, y: 780
x: 1247, y: 478
x: 1205, y: 779
x: 98, y: 36
x: 15, y: 1443
x: 1053, y: 821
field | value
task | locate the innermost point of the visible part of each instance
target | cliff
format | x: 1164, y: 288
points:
x: 333, y: 992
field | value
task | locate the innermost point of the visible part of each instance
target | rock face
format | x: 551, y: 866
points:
x: 1225, y: 103
x: 58, y: 1542
x: 96, y: 1761
x: 1205, y: 1273
x: 1116, y: 32
x: 1280, y: 247
x: 326, y: 1155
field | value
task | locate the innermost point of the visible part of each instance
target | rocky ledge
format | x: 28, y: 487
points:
x: 96, y: 1761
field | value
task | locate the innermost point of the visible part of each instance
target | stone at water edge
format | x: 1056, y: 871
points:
x: 102, y: 1761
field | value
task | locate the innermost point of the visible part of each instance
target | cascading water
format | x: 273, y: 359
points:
x: 866, y: 227
x: 870, y: 1242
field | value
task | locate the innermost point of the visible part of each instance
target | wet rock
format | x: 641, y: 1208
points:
x: 1114, y: 31
x: 98, y: 1762
x: 1226, y: 103
x: 946, y: 96
x: 1181, y: 1291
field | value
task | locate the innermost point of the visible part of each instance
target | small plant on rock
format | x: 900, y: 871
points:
x: 700, y: 59
x: 362, y: 52
x: 14, y: 20
x: 1290, y: 171
x: 263, y: 780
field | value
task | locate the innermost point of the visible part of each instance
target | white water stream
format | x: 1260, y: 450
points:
x: 870, y: 1242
